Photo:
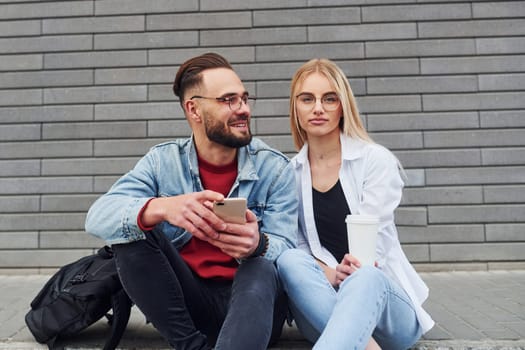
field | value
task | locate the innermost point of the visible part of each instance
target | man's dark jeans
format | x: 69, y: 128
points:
x: 195, y: 313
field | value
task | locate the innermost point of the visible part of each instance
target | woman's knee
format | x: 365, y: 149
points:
x: 367, y: 277
x: 291, y: 260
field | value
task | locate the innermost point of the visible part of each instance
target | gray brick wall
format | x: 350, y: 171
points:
x: 85, y: 91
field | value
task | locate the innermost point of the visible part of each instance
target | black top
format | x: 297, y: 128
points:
x: 330, y: 211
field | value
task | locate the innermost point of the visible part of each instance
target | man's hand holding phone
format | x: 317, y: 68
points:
x: 241, y: 236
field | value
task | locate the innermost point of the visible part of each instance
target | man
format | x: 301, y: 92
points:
x: 200, y: 280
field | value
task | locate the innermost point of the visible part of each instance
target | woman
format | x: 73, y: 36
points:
x: 341, y: 171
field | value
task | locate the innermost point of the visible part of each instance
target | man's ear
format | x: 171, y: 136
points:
x: 192, y: 110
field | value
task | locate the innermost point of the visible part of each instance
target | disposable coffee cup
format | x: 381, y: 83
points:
x: 362, y: 237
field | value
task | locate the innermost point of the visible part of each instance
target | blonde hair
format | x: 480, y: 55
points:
x: 350, y: 123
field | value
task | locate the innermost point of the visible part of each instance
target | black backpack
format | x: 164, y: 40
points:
x: 78, y: 295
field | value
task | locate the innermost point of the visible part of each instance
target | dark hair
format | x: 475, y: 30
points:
x: 189, y: 73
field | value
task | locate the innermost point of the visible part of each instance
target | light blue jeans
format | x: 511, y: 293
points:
x: 367, y: 304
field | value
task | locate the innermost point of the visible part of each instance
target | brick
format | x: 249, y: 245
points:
x: 212, y: 5
x: 380, y: 104
x: 135, y: 147
x: 180, y: 55
x: 144, y: 75
x: 47, y: 9
x: 269, y: 126
x: 477, y: 252
x: 18, y: 240
x: 95, y: 94
x: 139, y: 111
x: 161, y: 92
x: 255, y: 36
x: 93, y: 25
x: 94, y: 130
x: 280, y: 142
x: 493, y: 82
x: 442, y: 195
x: 472, y: 138
x: 68, y: 239
x: 169, y: 128
x: 46, y: 78
x: 479, y: 101
x: 95, y: 59
x: 103, y: 183
x: 505, y: 232
x: 67, y: 202
x: 145, y: 40
x: 503, y: 156
x: 271, y: 108
x: 46, y: 44
x: 504, y: 194
x: 44, y: 149
x: 441, y: 233
x: 19, y: 132
x: 423, y: 121
x: 477, y: 65
x: 199, y: 20
x: 272, y: 89
x: 89, y: 166
x: 19, y: 167
x: 419, y: 12
x: 502, y: 45
x: 439, y: 158
x: 24, y: 222
x: 19, y: 28
x: 498, y: 9
x: 266, y: 71
x: 411, y: 216
x: 371, y: 68
x: 20, y: 62
x: 30, y: 185
x: 313, y: 16
x: 471, y: 28
x: 407, y: 85
x: 475, y: 175
x: 495, y: 119
x: 41, y: 257
x: 476, y: 213
x: 417, y: 252
x: 398, y: 140
x: 17, y: 204
x: 363, y: 32
x: 111, y: 7
x: 414, y: 177
x: 303, y: 52
x: 20, y: 97
x: 45, y: 114
x: 420, y: 48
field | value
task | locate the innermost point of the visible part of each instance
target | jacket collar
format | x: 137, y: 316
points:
x: 245, y: 166
x: 351, y: 148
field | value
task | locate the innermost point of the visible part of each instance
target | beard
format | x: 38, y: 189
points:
x: 220, y: 133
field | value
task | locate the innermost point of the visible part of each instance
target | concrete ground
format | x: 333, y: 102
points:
x: 474, y: 310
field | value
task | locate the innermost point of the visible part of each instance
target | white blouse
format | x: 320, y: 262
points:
x: 372, y: 185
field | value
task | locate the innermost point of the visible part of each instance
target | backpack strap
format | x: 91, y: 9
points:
x: 105, y: 252
x: 121, y: 304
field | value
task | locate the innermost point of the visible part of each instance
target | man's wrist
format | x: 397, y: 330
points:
x: 262, y: 247
x: 151, y: 214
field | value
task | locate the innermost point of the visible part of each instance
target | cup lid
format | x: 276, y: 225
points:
x: 362, y: 219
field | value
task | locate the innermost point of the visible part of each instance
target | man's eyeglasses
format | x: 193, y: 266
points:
x: 306, y: 101
x: 234, y: 101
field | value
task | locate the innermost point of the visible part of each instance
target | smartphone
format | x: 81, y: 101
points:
x: 231, y: 210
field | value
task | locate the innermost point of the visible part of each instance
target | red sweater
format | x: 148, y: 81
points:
x: 203, y: 258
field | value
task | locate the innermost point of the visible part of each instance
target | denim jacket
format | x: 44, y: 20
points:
x: 265, y: 178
